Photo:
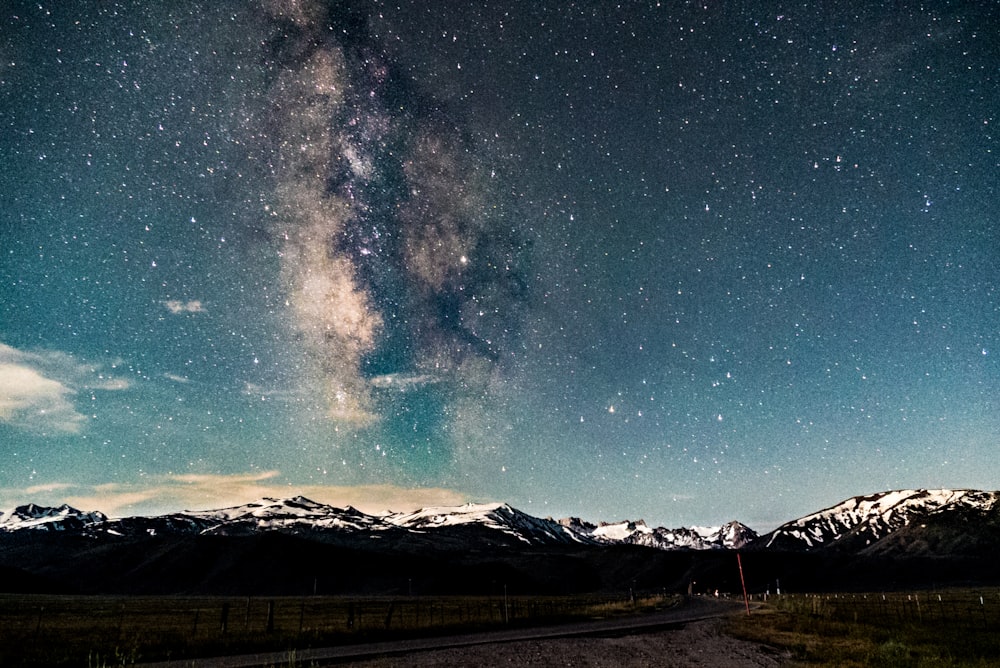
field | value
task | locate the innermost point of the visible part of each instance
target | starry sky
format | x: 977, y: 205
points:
x: 680, y: 261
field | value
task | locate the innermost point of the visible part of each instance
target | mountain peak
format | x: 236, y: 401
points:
x: 732, y: 535
x: 862, y: 520
x: 497, y: 516
x: 48, y: 518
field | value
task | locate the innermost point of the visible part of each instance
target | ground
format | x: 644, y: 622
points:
x: 701, y: 644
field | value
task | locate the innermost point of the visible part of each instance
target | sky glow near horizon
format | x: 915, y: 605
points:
x: 684, y: 262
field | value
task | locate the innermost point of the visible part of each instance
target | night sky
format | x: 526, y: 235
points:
x: 680, y: 261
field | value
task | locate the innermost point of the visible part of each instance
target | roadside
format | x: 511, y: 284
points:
x: 698, y: 644
x: 690, y: 629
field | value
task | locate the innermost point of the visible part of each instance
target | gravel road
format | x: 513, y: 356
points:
x: 698, y: 644
x: 688, y: 635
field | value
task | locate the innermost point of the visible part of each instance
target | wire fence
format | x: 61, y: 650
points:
x: 50, y: 627
x: 953, y: 608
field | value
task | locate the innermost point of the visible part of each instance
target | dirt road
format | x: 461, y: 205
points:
x: 699, y: 644
x: 690, y: 632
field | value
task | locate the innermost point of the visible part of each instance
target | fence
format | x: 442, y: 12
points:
x: 150, y: 627
x: 953, y: 608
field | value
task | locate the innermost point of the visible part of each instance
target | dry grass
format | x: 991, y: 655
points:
x: 915, y: 629
x: 117, y: 631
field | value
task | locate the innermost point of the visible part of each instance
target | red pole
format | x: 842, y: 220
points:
x: 746, y: 599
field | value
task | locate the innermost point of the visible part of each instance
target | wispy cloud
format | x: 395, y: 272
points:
x: 402, y: 381
x: 177, y: 306
x: 37, y: 389
x: 48, y: 487
x: 31, y: 401
x: 163, y: 494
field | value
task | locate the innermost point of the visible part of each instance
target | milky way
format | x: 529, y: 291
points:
x: 401, y: 268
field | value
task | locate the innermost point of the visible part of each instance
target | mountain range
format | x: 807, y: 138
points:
x: 299, y: 515
x: 273, y: 544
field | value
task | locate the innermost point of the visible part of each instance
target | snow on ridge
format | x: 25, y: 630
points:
x: 619, y: 531
x: 729, y: 536
x: 447, y: 515
x: 705, y: 531
x: 297, y: 505
x: 32, y: 516
x: 269, y: 513
x: 498, y: 516
x: 875, y: 515
x: 489, y: 514
x: 859, y: 508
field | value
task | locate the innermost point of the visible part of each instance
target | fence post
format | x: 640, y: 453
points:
x: 121, y: 620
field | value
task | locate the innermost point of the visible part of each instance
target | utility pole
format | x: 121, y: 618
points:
x: 506, y: 613
x: 746, y: 599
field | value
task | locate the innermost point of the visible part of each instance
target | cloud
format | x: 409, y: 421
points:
x: 177, y: 307
x: 30, y: 401
x: 402, y: 381
x: 37, y: 390
x: 107, y: 384
x: 48, y: 487
x: 170, y: 493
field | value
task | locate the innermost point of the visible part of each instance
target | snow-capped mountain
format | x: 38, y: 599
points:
x: 490, y: 523
x: 732, y: 535
x: 854, y: 524
x: 497, y: 516
x: 863, y: 520
x: 43, y: 518
x: 297, y: 514
x: 294, y: 515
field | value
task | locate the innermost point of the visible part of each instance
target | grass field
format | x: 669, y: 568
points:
x: 98, y: 631
x: 918, y: 629
x: 910, y: 629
